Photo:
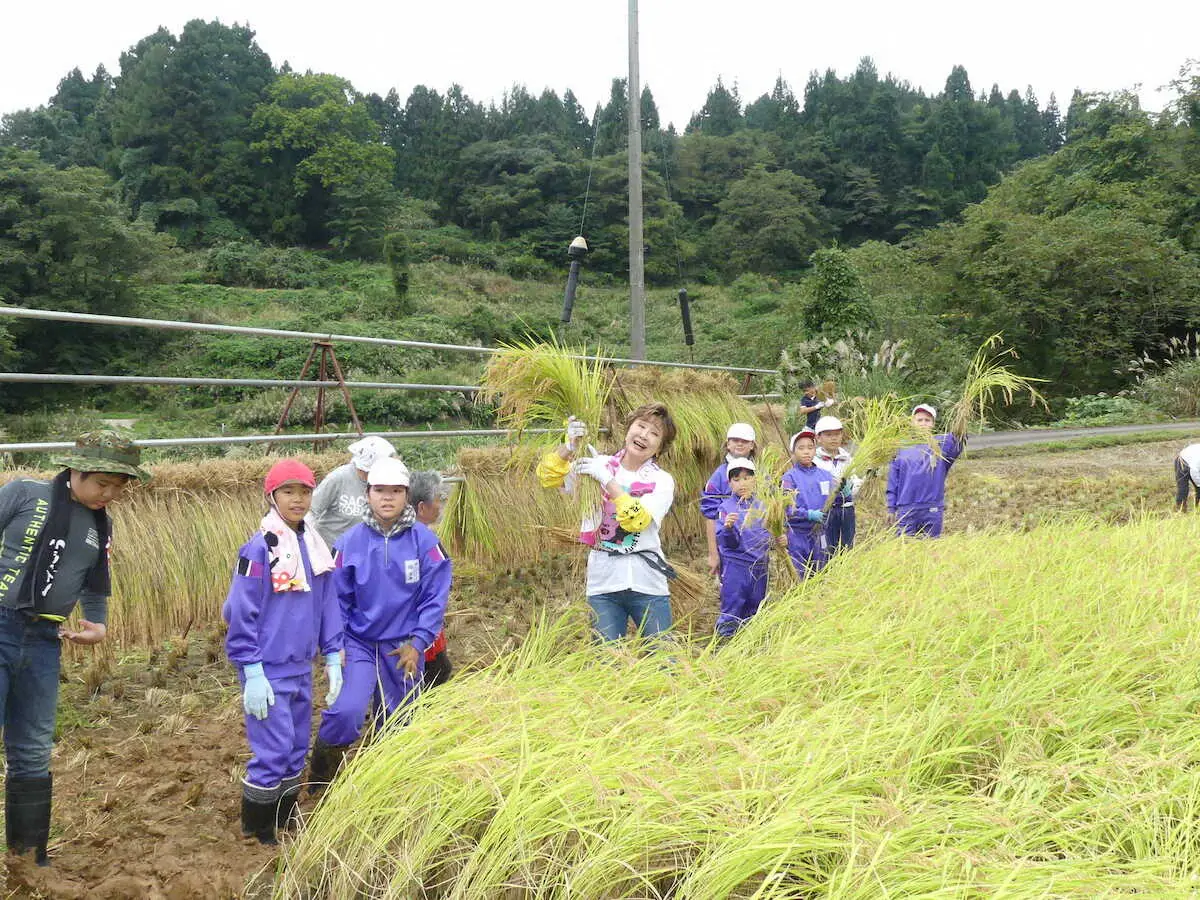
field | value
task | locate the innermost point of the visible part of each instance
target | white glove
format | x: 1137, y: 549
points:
x: 576, y: 429
x: 333, y: 674
x: 593, y: 467
x: 257, y: 695
x: 830, y: 401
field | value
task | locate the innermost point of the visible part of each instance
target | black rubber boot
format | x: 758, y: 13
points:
x: 258, y: 819
x: 324, y: 764
x: 438, y: 670
x: 286, y: 817
x: 27, y: 815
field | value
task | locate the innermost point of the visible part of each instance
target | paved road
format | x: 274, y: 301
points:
x: 1038, y: 435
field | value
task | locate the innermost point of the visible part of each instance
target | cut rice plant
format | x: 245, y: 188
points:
x: 860, y: 737
x: 538, y: 385
x: 987, y: 381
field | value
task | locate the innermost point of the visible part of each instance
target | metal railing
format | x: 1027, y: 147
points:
x: 172, y: 325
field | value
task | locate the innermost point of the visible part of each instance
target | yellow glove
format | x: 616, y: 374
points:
x: 552, y: 470
x: 631, y: 514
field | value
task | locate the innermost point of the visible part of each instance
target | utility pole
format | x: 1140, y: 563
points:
x: 637, y: 260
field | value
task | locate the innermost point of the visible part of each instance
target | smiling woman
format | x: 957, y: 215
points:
x: 627, y: 576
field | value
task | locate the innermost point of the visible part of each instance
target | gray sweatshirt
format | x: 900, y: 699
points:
x: 339, y: 502
x: 24, y: 506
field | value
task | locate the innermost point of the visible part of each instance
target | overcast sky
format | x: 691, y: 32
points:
x: 1053, y: 45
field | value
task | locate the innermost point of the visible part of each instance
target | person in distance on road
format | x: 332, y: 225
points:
x: 55, y: 539
x: 281, y: 609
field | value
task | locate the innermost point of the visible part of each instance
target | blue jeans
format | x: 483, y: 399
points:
x: 29, y: 657
x: 651, y: 613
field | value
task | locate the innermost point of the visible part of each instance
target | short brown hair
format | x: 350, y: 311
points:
x: 657, y: 411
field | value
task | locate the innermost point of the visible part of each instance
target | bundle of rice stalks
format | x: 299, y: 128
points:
x: 987, y: 378
x: 540, y: 385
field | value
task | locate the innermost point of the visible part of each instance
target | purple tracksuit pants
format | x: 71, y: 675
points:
x: 920, y: 521
x: 279, y: 743
x: 742, y: 590
x: 809, y: 552
x: 371, y: 680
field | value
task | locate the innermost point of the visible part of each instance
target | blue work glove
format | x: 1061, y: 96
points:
x: 257, y: 695
x: 847, y: 490
x: 333, y: 674
x: 815, y: 515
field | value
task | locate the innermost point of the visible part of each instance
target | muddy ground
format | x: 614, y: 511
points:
x: 150, y: 754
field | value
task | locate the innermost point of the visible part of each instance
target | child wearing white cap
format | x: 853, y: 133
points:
x: 916, y: 488
x: 740, y: 443
x: 745, y: 543
x: 840, y: 524
x: 340, y: 500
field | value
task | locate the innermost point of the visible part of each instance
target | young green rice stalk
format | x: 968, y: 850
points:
x: 988, y: 381
x: 864, y: 737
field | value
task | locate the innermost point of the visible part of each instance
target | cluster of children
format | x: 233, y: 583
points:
x: 374, y: 607
x: 820, y: 517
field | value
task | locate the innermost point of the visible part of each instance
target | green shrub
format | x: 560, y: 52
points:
x: 1103, y: 409
x: 245, y: 264
x: 1175, y: 390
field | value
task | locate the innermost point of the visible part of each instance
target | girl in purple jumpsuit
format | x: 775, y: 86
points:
x: 744, y: 543
x: 281, y: 608
x: 809, y: 486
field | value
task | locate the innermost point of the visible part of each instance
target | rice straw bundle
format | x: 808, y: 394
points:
x: 987, y: 378
x: 540, y: 385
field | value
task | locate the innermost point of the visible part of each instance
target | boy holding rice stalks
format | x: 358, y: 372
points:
x: 916, y: 486
x: 55, y: 539
x: 840, y: 524
x: 281, y: 609
x: 393, y: 580
x: 745, y: 543
x: 811, y: 405
x: 740, y: 443
x: 627, y: 576
x: 809, y: 487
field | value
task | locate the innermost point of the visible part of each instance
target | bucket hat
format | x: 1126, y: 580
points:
x: 104, y: 451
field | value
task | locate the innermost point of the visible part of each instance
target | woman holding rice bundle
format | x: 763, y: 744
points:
x: 626, y: 572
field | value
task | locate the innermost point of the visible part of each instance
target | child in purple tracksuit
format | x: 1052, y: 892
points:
x: 393, y: 580
x: 281, y: 607
x: 809, y: 486
x: 740, y: 443
x: 916, y: 488
x: 744, y: 543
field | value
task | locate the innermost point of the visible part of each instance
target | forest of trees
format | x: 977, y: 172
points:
x: 962, y: 213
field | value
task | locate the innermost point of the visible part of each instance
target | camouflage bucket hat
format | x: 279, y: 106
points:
x: 104, y: 451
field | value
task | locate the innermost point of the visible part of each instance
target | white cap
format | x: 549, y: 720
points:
x: 741, y: 431
x: 739, y: 463
x: 388, y: 470
x: 367, y: 451
x: 803, y: 432
x: 828, y: 423
x: 925, y: 407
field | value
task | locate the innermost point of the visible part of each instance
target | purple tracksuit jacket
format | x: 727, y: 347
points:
x: 811, y: 485
x: 916, y: 487
x: 744, y: 548
x: 393, y: 590
x: 283, y: 631
x: 716, y: 490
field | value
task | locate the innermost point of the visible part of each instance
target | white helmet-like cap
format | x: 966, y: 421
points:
x: 741, y: 431
x: 365, y: 452
x: 388, y: 470
x: 828, y: 423
x: 925, y: 407
x: 739, y: 463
